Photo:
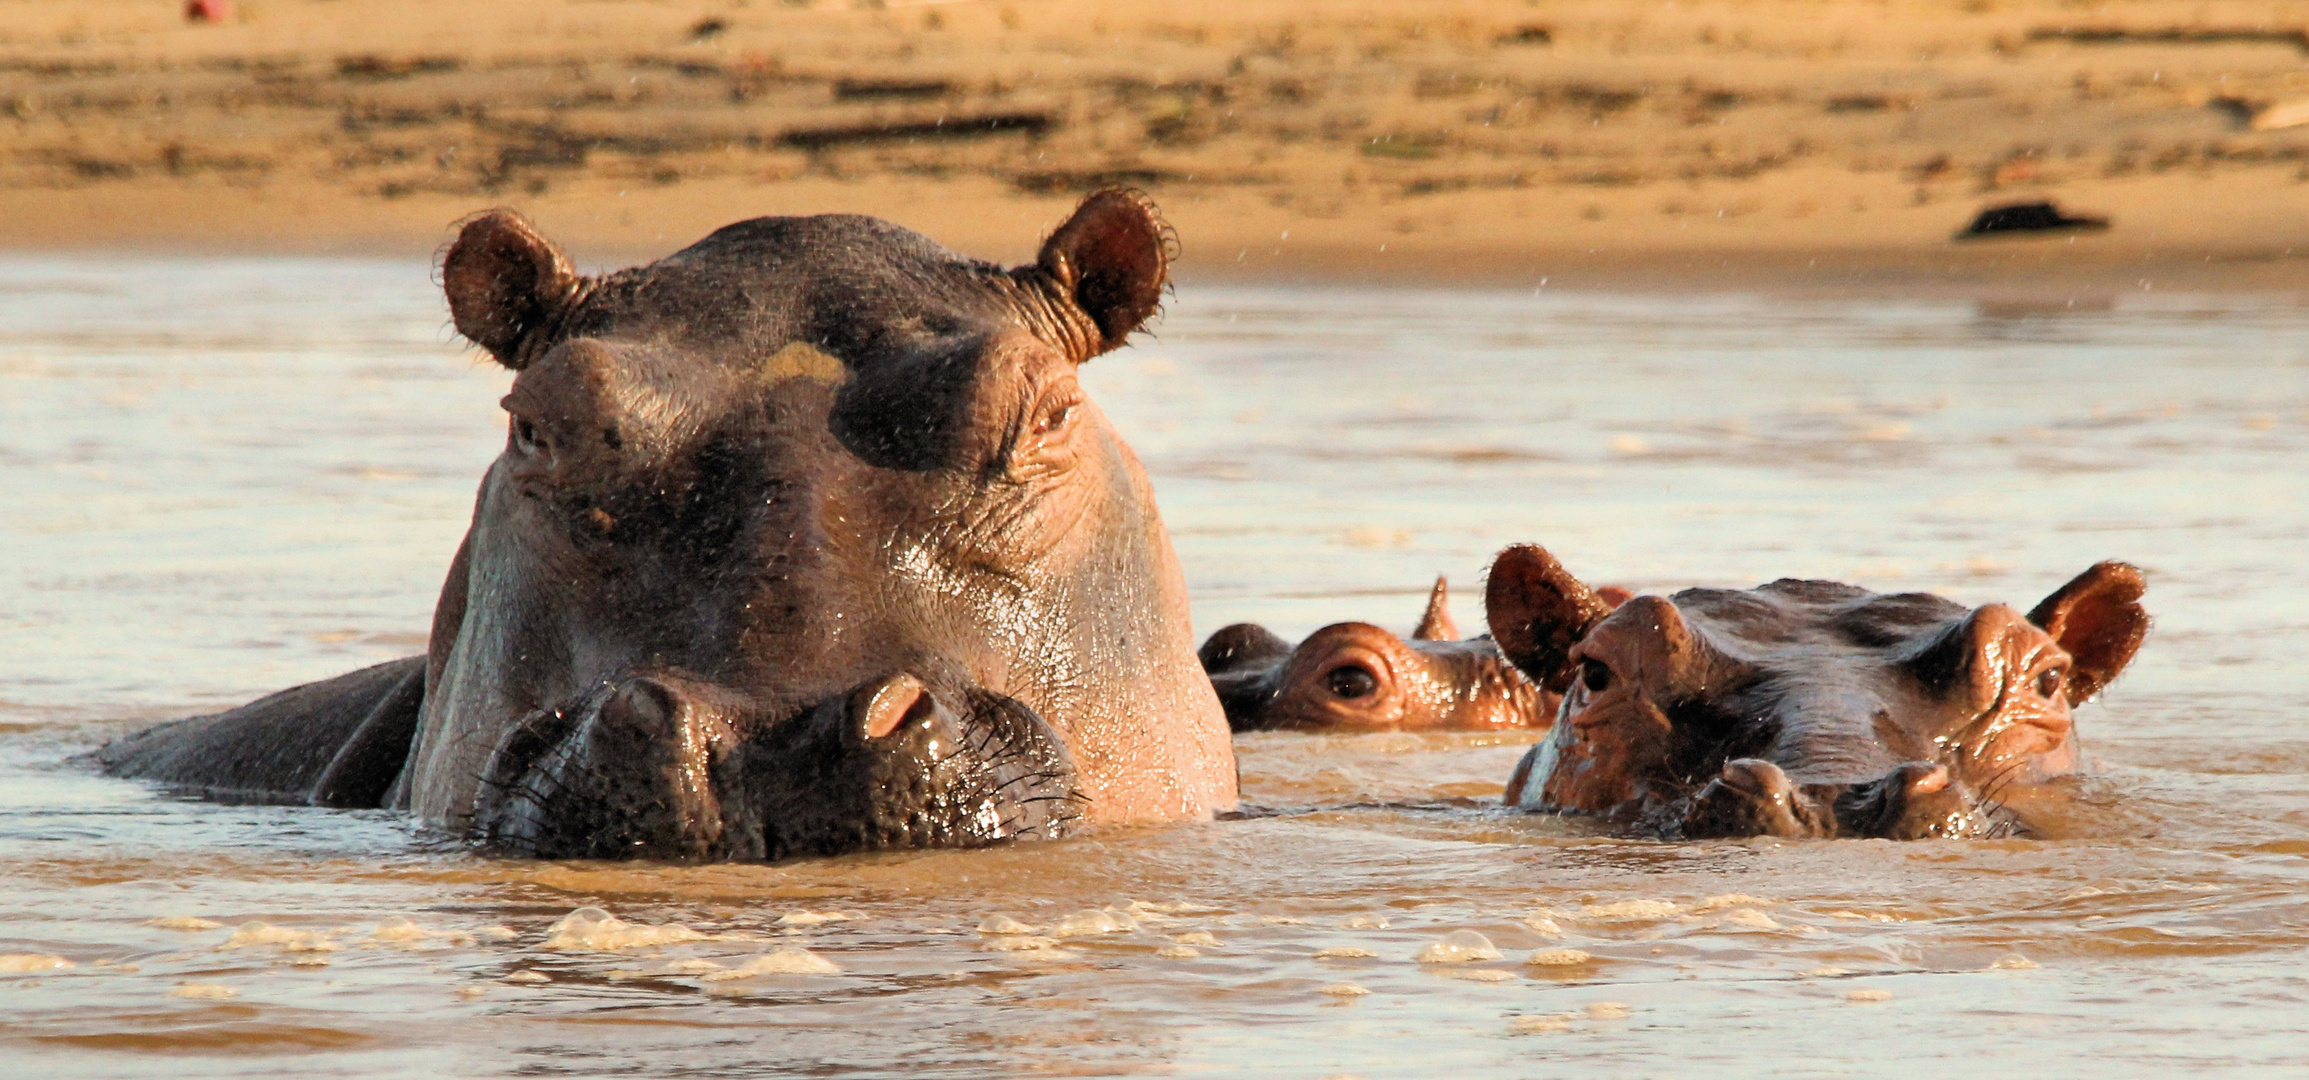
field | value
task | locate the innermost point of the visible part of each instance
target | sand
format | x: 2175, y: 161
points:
x: 1449, y: 141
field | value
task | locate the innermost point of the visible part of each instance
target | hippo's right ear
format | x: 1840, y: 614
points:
x: 2098, y: 618
x: 1538, y: 611
x: 1112, y: 259
x: 505, y: 280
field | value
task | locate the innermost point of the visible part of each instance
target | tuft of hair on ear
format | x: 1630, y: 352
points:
x: 505, y: 281
x: 1538, y: 611
x: 2097, y: 618
x: 1112, y: 258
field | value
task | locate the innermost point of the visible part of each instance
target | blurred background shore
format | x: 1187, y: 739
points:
x: 1681, y: 144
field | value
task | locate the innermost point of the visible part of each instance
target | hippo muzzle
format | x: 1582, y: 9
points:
x: 655, y: 766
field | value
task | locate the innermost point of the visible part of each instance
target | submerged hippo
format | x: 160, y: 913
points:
x: 1805, y: 708
x: 804, y: 540
x: 1354, y: 676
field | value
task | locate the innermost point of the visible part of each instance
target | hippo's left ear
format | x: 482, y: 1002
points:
x: 505, y: 281
x: 1112, y: 259
x: 1538, y: 611
x: 2099, y: 620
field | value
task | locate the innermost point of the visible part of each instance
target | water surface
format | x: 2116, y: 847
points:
x: 224, y: 477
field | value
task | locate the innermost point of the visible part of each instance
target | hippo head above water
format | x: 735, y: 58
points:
x: 1354, y: 676
x: 804, y: 540
x: 1805, y: 708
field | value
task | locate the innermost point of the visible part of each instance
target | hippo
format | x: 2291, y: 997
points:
x: 1354, y: 676
x: 1805, y: 708
x: 804, y: 540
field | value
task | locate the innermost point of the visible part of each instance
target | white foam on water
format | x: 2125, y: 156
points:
x: 1020, y: 943
x: 1724, y: 900
x: 1092, y: 921
x: 1344, y: 952
x: 1004, y: 924
x: 1482, y: 975
x: 1197, y: 937
x: 778, y: 962
x: 402, y: 932
x: 1559, y: 958
x: 1540, y: 1025
x: 1629, y: 911
x: 1363, y: 922
x: 1750, y: 917
x: 259, y: 935
x: 2013, y: 962
x: 1608, y: 1010
x: 184, y: 922
x: 527, y: 977
x: 1869, y: 995
x: 695, y: 965
x: 1459, y: 947
x: 1173, y: 908
x: 590, y: 929
x: 204, y: 991
x: 816, y: 918
x: 1344, y: 990
x: 1544, y: 926
x: 1178, y: 952
x: 25, y: 963
x: 1827, y: 972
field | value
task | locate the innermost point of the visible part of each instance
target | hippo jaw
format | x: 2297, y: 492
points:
x: 1806, y: 708
x: 653, y: 767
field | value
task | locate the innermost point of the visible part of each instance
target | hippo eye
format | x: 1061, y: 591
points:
x: 1351, y: 681
x: 1594, y: 674
x: 525, y: 436
x: 1055, y: 418
x: 2049, y: 682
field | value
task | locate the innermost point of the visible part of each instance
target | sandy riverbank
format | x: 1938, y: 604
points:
x: 1581, y: 143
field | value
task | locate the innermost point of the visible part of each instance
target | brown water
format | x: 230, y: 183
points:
x: 225, y: 477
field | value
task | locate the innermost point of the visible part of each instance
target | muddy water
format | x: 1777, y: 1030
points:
x: 223, y: 477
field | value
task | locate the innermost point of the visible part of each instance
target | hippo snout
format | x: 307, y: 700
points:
x: 662, y: 767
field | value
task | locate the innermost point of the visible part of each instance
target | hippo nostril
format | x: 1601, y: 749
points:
x: 1594, y: 674
x: 890, y: 704
x: 1351, y: 681
x: 643, y: 704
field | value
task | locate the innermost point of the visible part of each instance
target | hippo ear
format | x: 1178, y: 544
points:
x: 2099, y: 620
x: 1112, y: 258
x: 504, y: 280
x: 1437, y: 624
x: 1538, y: 611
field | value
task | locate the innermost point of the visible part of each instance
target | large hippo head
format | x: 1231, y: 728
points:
x: 804, y: 539
x: 1805, y: 708
x: 1354, y: 676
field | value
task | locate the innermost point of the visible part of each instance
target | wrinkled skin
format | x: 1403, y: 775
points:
x: 1354, y: 676
x: 1805, y: 708
x: 804, y: 540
